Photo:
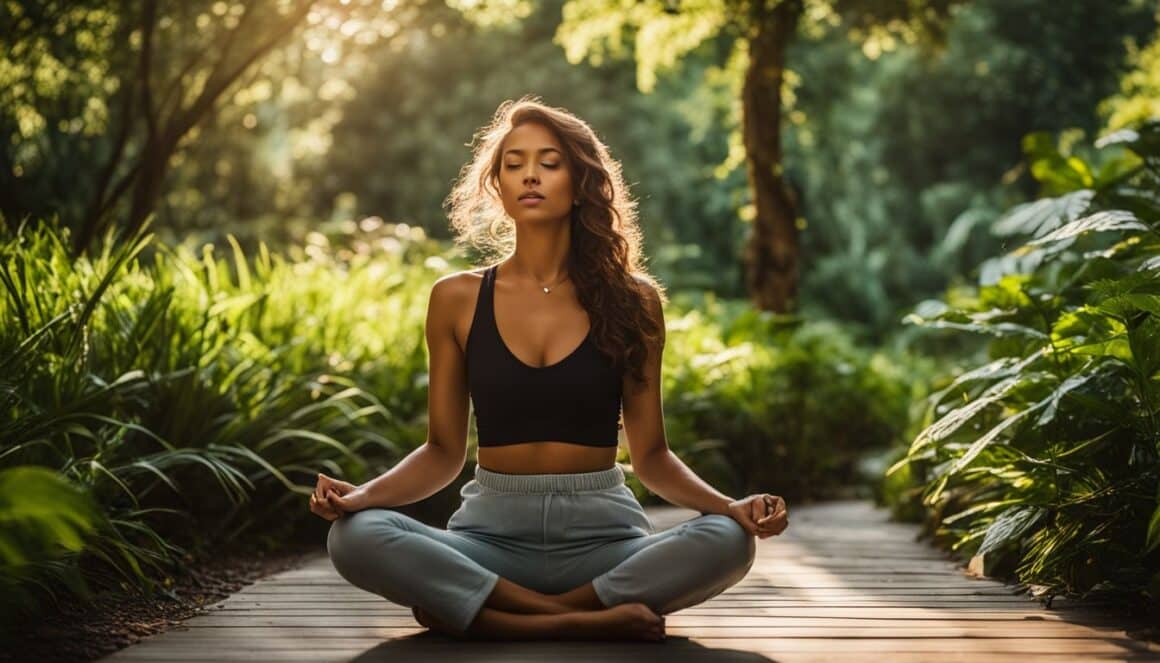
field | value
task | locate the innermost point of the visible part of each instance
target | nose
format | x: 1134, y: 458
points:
x: 531, y: 176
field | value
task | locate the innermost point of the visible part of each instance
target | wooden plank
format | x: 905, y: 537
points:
x: 842, y: 584
x: 691, y: 653
x: 724, y: 607
x: 755, y: 617
x: 816, y: 595
x: 450, y: 649
x: 814, y: 629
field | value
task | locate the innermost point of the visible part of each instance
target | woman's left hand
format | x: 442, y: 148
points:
x: 762, y: 515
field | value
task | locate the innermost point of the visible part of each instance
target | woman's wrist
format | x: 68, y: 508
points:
x: 359, y: 498
x: 721, y: 508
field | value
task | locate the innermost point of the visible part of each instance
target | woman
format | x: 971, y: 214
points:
x: 551, y: 345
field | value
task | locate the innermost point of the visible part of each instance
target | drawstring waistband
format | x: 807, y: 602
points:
x: 550, y: 483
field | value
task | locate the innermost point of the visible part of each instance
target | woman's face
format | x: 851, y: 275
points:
x: 533, y: 163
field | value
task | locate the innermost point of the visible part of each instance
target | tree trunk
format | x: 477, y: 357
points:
x: 771, y: 253
x: 154, y: 165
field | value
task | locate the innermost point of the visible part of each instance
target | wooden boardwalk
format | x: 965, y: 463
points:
x: 841, y: 584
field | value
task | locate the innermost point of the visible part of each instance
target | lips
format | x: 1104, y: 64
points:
x: 531, y: 195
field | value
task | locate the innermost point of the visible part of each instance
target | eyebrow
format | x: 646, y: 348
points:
x: 542, y: 149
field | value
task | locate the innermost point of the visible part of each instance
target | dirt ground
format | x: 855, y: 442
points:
x: 78, y: 633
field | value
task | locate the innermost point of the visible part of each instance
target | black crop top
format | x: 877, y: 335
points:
x: 576, y: 400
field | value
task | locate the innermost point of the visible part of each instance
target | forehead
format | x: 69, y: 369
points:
x: 530, y: 137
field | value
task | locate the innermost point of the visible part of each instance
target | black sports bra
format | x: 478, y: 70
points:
x: 576, y: 399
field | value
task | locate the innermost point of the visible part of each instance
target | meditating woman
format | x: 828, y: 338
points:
x: 552, y: 345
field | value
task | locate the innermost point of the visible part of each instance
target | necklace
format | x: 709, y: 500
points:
x: 548, y: 289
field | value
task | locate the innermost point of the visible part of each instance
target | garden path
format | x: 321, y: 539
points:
x: 843, y: 583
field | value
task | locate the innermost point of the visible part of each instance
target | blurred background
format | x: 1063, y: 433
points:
x: 911, y: 245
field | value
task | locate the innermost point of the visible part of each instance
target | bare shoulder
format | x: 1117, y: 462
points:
x: 452, y: 301
x: 452, y: 290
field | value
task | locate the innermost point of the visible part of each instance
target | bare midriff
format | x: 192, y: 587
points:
x: 546, y: 458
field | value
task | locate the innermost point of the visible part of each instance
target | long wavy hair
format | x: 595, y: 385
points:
x: 604, y: 261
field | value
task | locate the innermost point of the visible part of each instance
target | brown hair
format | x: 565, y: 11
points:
x: 604, y: 261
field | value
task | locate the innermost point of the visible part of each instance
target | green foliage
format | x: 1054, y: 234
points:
x: 757, y: 402
x: 661, y: 34
x: 1138, y: 98
x: 195, y: 397
x: 1046, y: 457
x: 43, y: 519
x: 903, y: 158
x: 121, y: 87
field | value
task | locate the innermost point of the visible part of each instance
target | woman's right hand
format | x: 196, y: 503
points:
x: 327, y: 500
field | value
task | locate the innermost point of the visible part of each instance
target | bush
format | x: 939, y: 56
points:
x: 195, y: 397
x: 756, y: 402
x: 1044, y: 459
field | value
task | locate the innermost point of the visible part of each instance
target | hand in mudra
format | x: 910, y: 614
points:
x: 762, y: 515
x: 332, y: 498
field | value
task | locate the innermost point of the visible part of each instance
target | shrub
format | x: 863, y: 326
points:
x: 195, y: 397
x: 762, y: 403
x: 1044, y: 459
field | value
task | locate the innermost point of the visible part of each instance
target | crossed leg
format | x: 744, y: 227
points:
x: 454, y: 593
x: 436, y: 573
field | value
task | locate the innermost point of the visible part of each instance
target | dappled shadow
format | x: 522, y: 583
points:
x: 432, y: 647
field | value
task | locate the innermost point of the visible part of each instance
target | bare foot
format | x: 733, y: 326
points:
x: 426, y: 620
x: 627, y: 621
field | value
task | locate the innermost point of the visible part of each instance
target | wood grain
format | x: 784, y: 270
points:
x: 843, y: 583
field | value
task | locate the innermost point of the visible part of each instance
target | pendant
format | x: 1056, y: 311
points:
x: 545, y: 291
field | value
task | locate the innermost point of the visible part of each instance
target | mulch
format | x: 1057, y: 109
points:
x: 77, y: 632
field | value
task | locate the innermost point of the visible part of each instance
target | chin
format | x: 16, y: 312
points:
x: 539, y: 216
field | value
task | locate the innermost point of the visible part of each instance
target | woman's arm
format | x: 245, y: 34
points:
x: 430, y: 467
x: 657, y: 467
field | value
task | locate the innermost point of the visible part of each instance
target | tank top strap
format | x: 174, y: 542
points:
x: 487, y: 294
x: 483, y: 319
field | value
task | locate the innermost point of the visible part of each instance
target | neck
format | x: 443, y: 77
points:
x: 541, y: 253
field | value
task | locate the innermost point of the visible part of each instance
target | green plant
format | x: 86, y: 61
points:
x: 760, y: 402
x: 195, y: 397
x: 1046, y: 458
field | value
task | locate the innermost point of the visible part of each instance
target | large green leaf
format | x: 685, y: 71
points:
x: 1041, y: 216
x: 1099, y: 222
x: 1153, y: 539
x: 1000, y: 368
x: 42, y: 516
x: 956, y: 418
x: 1009, y: 526
x: 990, y: 436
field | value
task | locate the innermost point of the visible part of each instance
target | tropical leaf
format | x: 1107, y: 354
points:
x: 989, y: 438
x: 1010, y: 526
x: 1153, y: 539
x: 999, y: 329
x: 1068, y: 385
x: 956, y: 418
x: 1118, y: 137
x: 1098, y: 222
x: 42, y: 515
x: 1000, y: 368
x: 1023, y: 260
x: 1041, y: 216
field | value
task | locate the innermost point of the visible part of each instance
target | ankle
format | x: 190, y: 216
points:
x: 569, y: 624
x: 561, y: 604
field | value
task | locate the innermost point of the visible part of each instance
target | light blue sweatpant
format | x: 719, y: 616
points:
x: 547, y: 532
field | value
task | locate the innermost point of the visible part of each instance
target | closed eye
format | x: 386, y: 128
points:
x: 545, y: 165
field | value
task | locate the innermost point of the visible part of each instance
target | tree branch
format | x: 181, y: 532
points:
x: 216, y: 85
